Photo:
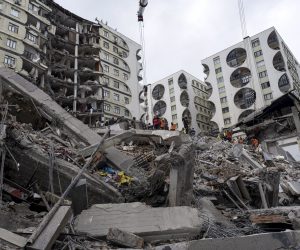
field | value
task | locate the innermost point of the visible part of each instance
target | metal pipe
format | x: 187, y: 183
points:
x: 54, y: 209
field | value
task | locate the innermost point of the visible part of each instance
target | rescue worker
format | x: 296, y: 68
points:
x: 156, y: 122
x: 173, y: 126
x: 185, y: 124
x: 162, y: 123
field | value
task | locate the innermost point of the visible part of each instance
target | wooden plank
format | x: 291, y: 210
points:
x: 12, y: 238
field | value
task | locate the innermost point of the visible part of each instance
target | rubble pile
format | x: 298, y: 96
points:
x: 64, y: 186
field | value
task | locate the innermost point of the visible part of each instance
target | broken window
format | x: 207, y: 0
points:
x: 13, y: 28
x: 158, y: 92
x: 284, y: 83
x: 160, y: 108
x: 236, y: 57
x: 240, y: 77
x: 244, y: 98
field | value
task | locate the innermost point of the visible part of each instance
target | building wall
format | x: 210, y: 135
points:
x: 257, y: 64
x: 197, y: 94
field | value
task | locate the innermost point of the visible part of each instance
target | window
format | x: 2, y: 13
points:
x: 14, y: 12
x: 265, y: 85
x: 216, y: 60
x: 10, y: 43
x: 116, y: 97
x: 227, y: 121
x: 173, y: 107
x: 116, y: 72
x: 125, y: 76
x: 115, y: 39
x: 106, y: 56
x: 106, y: 93
x: 106, y: 68
x: 31, y: 37
x: 220, y: 79
x: 117, y: 110
x: 33, y: 8
x: 223, y: 99
x: 225, y: 110
x: 255, y: 43
x: 170, y: 82
x: 106, y: 45
x: 218, y: 70
x: 126, y: 112
x: 221, y: 90
x: 172, y: 99
x: 258, y: 53
x: 116, y: 84
x: 115, y: 49
x: 13, y: 28
x: 174, y: 117
x: 263, y: 74
x: 126, y: 99
x: 124, y: 54
x: 9, y: 60
x: 105, y: 80
x: 171, y: 90
x: 116, y: 61
x: 105, y: 33
x: 107, y: 107
x: 260, y: 63
x: 268, y: 96
x: 126, y: 88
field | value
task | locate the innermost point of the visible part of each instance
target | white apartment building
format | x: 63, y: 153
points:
x: 180, y: 95
x: 249, y: 75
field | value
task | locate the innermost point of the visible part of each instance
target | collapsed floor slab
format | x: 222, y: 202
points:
x: 152, y: 224
x: 268, y: 241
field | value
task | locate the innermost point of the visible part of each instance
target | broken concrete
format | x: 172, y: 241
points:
x: 152, y: 224
x: 123, y: 238
x: 49, y: 235
x: 51, y: 110
x: 267, y: 241
x: 13, y: 239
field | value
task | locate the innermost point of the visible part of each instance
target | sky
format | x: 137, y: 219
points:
x: 180, y: 33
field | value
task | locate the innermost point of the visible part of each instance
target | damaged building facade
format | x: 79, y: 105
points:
x: 180, y: 95
x: 249, y: 75
x: 90, y: 69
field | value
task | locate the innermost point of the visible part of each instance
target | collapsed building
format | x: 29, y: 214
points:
x: 90, y: 69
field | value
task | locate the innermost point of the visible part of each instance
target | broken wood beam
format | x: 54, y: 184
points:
x: 49, y: 216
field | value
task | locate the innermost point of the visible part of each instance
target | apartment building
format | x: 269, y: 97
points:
x: 180, y: 95
x: 248, y: 76
x: 87, y: 67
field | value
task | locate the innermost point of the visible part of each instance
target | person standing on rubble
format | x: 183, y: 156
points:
x: 133, y: 123
x: 162, y: 123
x: 185, y: 124
x: 156, y: 122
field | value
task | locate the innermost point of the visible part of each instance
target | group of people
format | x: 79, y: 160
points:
x: 162, y: 123
x: 227, y: 135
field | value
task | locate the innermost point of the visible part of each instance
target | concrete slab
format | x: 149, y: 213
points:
x: 294, y: 187
x: 124, y: 238
x: 47, y: 238
x: 153, y: 224
x: 11, y: 238
x: 267, y: 241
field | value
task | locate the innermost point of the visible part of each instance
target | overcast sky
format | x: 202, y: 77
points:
x: 179, y: 33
